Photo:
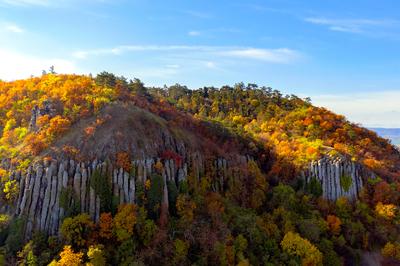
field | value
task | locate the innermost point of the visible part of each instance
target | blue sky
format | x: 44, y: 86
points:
x: 345, y: 55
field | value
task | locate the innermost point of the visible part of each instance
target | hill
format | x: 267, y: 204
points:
x: 106, y: 169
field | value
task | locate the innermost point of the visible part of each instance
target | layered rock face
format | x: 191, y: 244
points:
x: 42, y: 185
x: 44, y: 182
x: 338, y: 176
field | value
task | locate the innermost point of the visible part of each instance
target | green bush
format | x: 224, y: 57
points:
x: 14, y: 241
x: 69, y: 202
x: 155, y: 195
x: 345, y: 182
x: 102, y: 187
x: 314, y: 187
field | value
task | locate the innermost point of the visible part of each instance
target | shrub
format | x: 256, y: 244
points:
x: 345, y: 182
x: 77, y: 230
x: 295, y: 245
x: 101, y: 185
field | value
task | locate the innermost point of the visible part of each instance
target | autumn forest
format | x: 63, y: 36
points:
x: 104, y: 170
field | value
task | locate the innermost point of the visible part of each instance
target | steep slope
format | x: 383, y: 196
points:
x: 126, y: 145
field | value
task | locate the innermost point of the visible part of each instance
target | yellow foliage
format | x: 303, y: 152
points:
x: 238, y: 119
x: 295, y: 245
x: 76, y: 230
x: 387, y: 211
x: 147, y: 184
x: 11, y: 189
x: 124, y: 221
x: 69, y: 258
x: 159, y: 167
x: 185, y: 207
x: 96, y: 256
x: 391, y: 250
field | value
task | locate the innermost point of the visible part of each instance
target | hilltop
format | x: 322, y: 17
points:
x: 230, y: 175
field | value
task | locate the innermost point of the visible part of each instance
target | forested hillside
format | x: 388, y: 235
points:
x: 105, y: 171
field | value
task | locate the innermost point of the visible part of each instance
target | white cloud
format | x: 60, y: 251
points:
x: 10, y: 27
x: 281, y: 55
x: 174, y: 66
x: 360, y: 26
x: 15, y: 65
x: 194, y: 33
x: 211, y: 65
x: 371, y: 109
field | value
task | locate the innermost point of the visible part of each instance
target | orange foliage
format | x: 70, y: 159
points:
x: 74, y: 96
x: 334, y: 224
x: 35, y: 143
x: 124, y: 161
x: 43, y: 121
x: 89, y: 131
x: 106, y: 226
x: 58, y: 125
x: 372, y: 163
x: 71, y: 151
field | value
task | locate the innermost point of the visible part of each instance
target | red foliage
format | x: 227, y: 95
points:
x: 168, y: 155
x: 384, y: 193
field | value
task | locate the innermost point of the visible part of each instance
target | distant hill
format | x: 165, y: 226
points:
x: 389, y: 133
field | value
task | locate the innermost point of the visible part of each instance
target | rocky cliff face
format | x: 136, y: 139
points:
x: 338, y: 176
x: 42, y: 185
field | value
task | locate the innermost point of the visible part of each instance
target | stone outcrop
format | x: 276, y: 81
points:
x: 48, y: 108
x: 41, y: 186
x: 333, y: 171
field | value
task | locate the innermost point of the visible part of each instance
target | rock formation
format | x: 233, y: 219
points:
x: 48, y: 108
x: 333, y: 172
x: 42, y: 185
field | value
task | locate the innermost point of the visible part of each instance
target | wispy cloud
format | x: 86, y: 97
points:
x: 213, y: 32
x: 198, y: 14
x: 194, y: 33
x: 359, y: 26
x: 280, y: 55
x: 11, y: 27
x: 264, y: 8
x: 14, y: 65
